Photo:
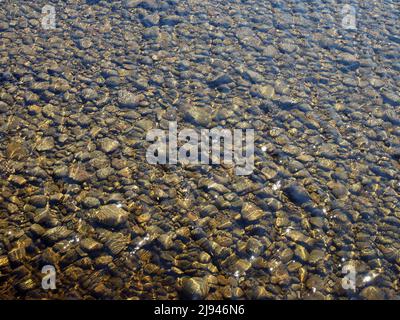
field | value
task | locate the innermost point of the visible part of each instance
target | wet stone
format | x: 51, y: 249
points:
x: 314, y: 282
x: 4, y: 262
x: 296, y: 236
x: 103, y: 261
x: 39, y: 201
x: 16, y: 151
x: 90, y: 245
x: 393, y: 117
x: 253, y: 76
x: 338, y: 189
x: 151, y: 33
x: 3, y: 107
x: 78, y: 173
x: 287, y: 103
x: 3, y: 25
x: 372, y: 293
x: 151, y: 20
x: 205, y: 257
x: 391, y: 98
x: 220, y: 80
x: 171, y: 20
x: 288, y: 47
x: 18, y: 180
x: 267, y: 91
x: 109, y: 145
x: 316, y: 255
x: 85, y: 43
x: 260, y: 293
x: 104, y: 173
x: 56, y: 234
x: 116, y: 242
x: 89, y: 94
x: 45, y: 144
x: 242, y: 265
x: 251, y: 213
x: 166, y: 240
x: 37, y: 229
x: 297, y: 193
x: 34, y: 110
x: 198, y: 115
x: 132, y: 3
x: 91, y: 202
x: 110, y: 215
x: 128, y: 99
x: 26, y: 285
x: 301, y: 253
x: 113, y: 82
x: 17, y: 255
x: 270, y: 52
x: 195, y: 288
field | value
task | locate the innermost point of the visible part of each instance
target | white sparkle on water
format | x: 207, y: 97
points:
x: 276, y: 186
x: 75, y: 239
x: 140, y: 244
x: 287, y: 230
x: 369, y: 277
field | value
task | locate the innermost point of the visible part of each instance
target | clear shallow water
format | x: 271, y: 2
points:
x: 78, y: 194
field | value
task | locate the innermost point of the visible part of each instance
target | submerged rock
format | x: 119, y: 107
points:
x: 372, y: 293
x: 16, y: 151
x: 56, y: 234
x: 45, y: 144
x: 251, y: 213
x: 109, y: 145
x: 220, y: 80
x: 128, y: 99
x: 195, y: 288
x: 110, y: 215
x: 198, y: 115
x: 297, y: 193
